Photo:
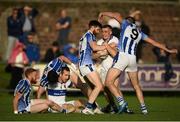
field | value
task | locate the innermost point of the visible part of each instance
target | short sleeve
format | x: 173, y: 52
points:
x: 89, y: 37
x: 21, y: 87
x: 44, y: 81
x: 144, y: 36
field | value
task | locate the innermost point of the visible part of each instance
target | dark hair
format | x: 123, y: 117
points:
x: 65, y: 68
x: 28, y: 71
x: 55, y: 43
x: 130, y: 19
x: 107, y: 26
x: 52, y: 77
x: 94, y: 23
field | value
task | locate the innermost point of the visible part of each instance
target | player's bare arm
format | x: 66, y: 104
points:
x: 161, y: 46
x: 15, y: 102
x: 96, y: 47
x: 111, y: 48
x: 114, y: 15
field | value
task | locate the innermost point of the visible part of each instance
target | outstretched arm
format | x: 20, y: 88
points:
x: 161, y: 46
x: 114, y: 15
x: 65, y: 59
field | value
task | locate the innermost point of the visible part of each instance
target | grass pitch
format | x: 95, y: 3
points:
x: 160, y: 108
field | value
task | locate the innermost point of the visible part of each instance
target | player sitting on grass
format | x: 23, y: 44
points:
x: 22, y: 102
x: 57, y: 89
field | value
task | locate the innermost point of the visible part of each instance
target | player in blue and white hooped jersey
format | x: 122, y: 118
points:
x: 57, y: 89
x: 22, y: 102
x: 87, y: 45
x: 54, y: 65
x: 126, y: 58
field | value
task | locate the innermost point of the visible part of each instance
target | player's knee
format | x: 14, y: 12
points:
x: 107, y: 84
x: 100, y: 87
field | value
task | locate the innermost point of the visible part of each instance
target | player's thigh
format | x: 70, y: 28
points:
x: 41, y: 107
x: 112, y: 75
x: 74, y: 78
x: 38, y: 101
x: 120, y: 61
x: 68, y: 106
x: 132, y: 66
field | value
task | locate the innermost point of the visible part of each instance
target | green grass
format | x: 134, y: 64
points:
x: 160, y: 108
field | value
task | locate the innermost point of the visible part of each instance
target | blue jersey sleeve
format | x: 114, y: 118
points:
x: 144, y: 36
x: 90, y: 37
x: 44, y: 81
x: 21, y: 87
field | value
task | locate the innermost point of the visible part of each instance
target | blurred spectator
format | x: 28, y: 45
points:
x: 163, y: 57
x: 63, y: 25
x: 17, y: 60
x: 115, y: 27
x: 71, y: 52
x: 27, y: 15
x: 14, y: 27
x: 52, y: 52
x: 32, y: 49
x: 144, y: 28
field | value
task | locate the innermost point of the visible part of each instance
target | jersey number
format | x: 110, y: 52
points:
x: 134, y: 34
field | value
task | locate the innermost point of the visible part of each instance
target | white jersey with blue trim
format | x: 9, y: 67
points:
x: 85, y: 50
x: 24, y: 88
x: 130, y: 36
x: 57, y: 92
x: 55, y: 65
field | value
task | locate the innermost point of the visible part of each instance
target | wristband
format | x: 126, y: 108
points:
x: 16, y: 112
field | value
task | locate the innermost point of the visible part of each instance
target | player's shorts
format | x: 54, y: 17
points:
x: 123, y: 61
x: 102, y: 73
x: 86, y: 69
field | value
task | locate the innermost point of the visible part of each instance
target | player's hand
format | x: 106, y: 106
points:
x: 173, y: 51
x: 100, y: 17
x: 105, y: 44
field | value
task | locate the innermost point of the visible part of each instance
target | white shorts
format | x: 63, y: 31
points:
x: 102, y: 73
x: 86, y: 69
x: 123, y: 61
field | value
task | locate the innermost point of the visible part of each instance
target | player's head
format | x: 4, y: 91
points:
x: 95, y: 26
x: 106, y: 31
x: 130, y: 19
x: 64, y: 74
x: 52, y: 77
x: 31, y: 74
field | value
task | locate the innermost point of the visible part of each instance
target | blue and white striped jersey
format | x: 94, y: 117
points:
x: 55, y: 65
x: 129, y: 37
x: 24, y: 88
x: 85, y: 50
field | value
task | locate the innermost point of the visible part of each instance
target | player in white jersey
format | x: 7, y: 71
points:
x: 106, y: 60
x: 22, y: 102
x: 105, y: 64
x: 126, y: 60
x: 57, y: 89
x: 87, y: 45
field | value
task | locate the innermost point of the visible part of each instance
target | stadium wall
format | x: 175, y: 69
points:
x: 163, y: 20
